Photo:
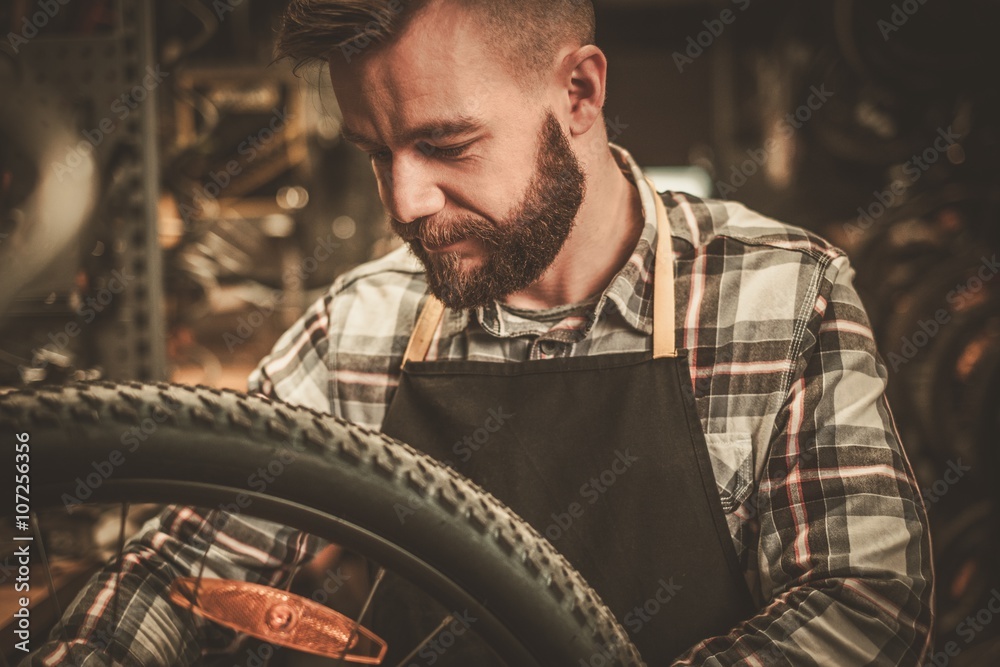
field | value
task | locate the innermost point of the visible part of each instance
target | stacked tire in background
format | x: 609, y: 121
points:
x: 926, y: 248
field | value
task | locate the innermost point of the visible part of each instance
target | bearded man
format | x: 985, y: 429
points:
x: 718, y: 363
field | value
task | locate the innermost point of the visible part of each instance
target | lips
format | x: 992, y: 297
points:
x: 430, y: 247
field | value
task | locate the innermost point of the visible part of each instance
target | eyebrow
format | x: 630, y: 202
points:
x: 436, y: 129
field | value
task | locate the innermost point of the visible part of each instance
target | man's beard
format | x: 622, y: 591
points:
x: 519, y: 248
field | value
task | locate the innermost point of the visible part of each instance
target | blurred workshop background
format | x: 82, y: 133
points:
x: 170, y: 201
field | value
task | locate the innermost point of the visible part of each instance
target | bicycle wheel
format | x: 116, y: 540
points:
x: 345, y: 484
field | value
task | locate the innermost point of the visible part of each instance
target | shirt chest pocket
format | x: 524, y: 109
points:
x: 732, y: 463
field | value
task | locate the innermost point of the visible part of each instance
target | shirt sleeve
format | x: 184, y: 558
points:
x: 297, y: 371
x: 843, y: 545
x: 147, y: 628
x: 144, y: 627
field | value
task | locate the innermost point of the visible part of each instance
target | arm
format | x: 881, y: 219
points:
x: 152, y: 631
x: 843, y: 547
x: 149, y: 629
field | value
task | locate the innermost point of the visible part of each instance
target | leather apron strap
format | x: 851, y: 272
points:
x: 423, y: 332
x: 664, y: 341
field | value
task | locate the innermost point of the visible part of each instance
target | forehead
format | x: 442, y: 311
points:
x: 440, y: 67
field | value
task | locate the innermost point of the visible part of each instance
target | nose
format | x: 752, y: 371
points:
x: 409, y: 190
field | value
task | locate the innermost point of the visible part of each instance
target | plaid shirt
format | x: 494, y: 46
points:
x: 822, y: 506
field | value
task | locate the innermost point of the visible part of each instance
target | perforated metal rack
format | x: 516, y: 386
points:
x: 100, y: 79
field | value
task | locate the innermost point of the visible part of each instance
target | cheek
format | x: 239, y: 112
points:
x: 490, y: 191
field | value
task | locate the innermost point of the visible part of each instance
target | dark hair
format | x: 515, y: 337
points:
x: 528, y: 33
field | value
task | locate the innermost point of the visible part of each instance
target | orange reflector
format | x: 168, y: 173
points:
x: 278, y: 617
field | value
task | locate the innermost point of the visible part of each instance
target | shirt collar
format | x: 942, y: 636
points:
x: 630, y: 291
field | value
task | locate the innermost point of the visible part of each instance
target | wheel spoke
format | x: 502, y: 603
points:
x: 192, y: 596
x: 412, y: 654
x: 379, y: 576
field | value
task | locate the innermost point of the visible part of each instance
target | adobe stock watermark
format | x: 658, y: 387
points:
x: 741, y: 173
x: 31, y: 25
x: 901, y: 13
x: 446, y: 637
x: 952, y: 476
x: 322, y: 251
x: 247, y: 325
x: 372, y: 31
x: 258, y: 481
x: 87, y: 311
x: 912, y: 170
x: 636, y: 619
x: 988, y: 268
x: 968, y: 629
x: 248, y: 149
x: 88, y: 483
x: 698, y: 44
x: 223, y: 7
x: 911, y: 345
x: 464, y: 449
x: 121, y: 109
x: 591, y: 491
x: 480, y: 438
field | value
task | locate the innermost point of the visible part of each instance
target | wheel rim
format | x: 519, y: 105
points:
x: 205, y: 446
x: 321, y: 524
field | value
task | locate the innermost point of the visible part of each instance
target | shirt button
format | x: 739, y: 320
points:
x: 548, y: 347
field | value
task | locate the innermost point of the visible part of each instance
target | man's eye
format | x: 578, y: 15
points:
x: 448, y: 152
x: 380, y: 156
x: 455, y: 151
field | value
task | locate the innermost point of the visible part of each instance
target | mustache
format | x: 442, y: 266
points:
x: 444, y: 232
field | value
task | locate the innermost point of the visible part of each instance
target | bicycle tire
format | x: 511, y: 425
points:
x: 344, y: 479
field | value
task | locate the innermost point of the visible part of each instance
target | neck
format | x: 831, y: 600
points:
x: 605, y: 233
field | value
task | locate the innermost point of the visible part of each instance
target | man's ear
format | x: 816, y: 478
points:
x: 583, y: 77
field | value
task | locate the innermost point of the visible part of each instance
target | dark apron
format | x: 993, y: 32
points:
x: 605, y: 456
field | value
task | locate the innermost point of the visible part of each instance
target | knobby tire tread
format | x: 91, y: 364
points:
x: 95, y: 416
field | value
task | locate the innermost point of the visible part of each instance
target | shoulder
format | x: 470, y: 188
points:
x: 707, y: 222
x: 381, y: 283
x: 753, y: 276
x: 378, y: 299
x: 372, y: 300
x: 356, y: 325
